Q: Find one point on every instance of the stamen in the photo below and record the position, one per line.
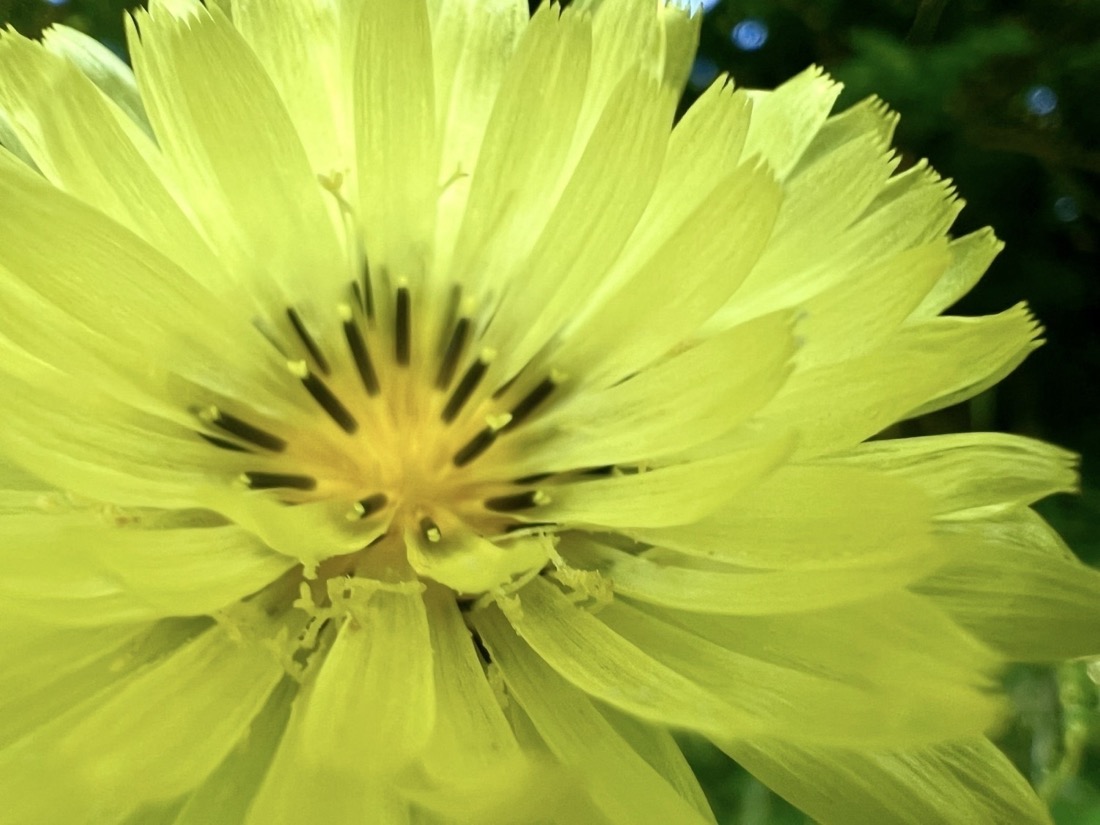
(467, 385)
(222, 443)
(430, 530)
(401, 327)
(359, 352)
(368, 292)
(324, 397)
(273, 481)
(243, 430)
(475, 447)
(453, 304)
(453, 352)
(534, 478)
(531, 401)
(308, 341)
(517, 501)
(367, 507)
(357, 293)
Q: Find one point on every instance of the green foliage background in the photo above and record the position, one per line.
(960, 73)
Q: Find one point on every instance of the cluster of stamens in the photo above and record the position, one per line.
(445, 380)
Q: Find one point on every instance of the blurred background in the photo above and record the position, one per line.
(1000, 95)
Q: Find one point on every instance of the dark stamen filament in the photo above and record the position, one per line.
(517, 501)
(401, 327)
(222, 443)
(324, 397)
(272, 481)
(307, 340)
(531, 401)
(475, 447)
(368, 293)
(452, 312)
(465, 388)
(360, 354)
(453, 352)
(245, 431)
(430, 530)
(367, 507)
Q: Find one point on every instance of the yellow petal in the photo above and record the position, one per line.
(120, 173)
(587, 653)
(787, 674)
(371, 708)
(48, 670)
(959, 471)
(666, 496)
(591, 221)
(225, 795)
(234, 150)
(785, 121)
(811, 518)
(78, 570)
(622, 784)
(120, 750)
(971, 255)
(966, 781)
(522, 163)
(1010, 580)
(102, 66)
(393, 93)
(664, 302)
(299, 45)
(923, 367)
(654, 579)
(665, 408)
(472, 48)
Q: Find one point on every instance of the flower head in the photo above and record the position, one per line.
(415, 424)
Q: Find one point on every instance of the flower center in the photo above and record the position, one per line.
(399, 420)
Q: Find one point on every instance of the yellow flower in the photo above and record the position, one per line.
(405, 421)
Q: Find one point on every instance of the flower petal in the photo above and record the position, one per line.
(622, 784)
(652, 578)
(299, 44)
(112, 299)
(78, 570)
(365, 716)
(959, 471)
(119, 750)
(904, 673)
(102, 66)
(472, 48)
(47, 670)
(923, 367)
(226, 794)
(594, 216)
(971, 256)
(968, 781)
(1011, 581)
(591, 656)
(120, 173)
(806, 517)
(474, 767)
(666, 496)
(662, 303)
(522, 162)
(234, 150)
(785, 121)
(371, 708)
(666, 408)
(393, 88)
